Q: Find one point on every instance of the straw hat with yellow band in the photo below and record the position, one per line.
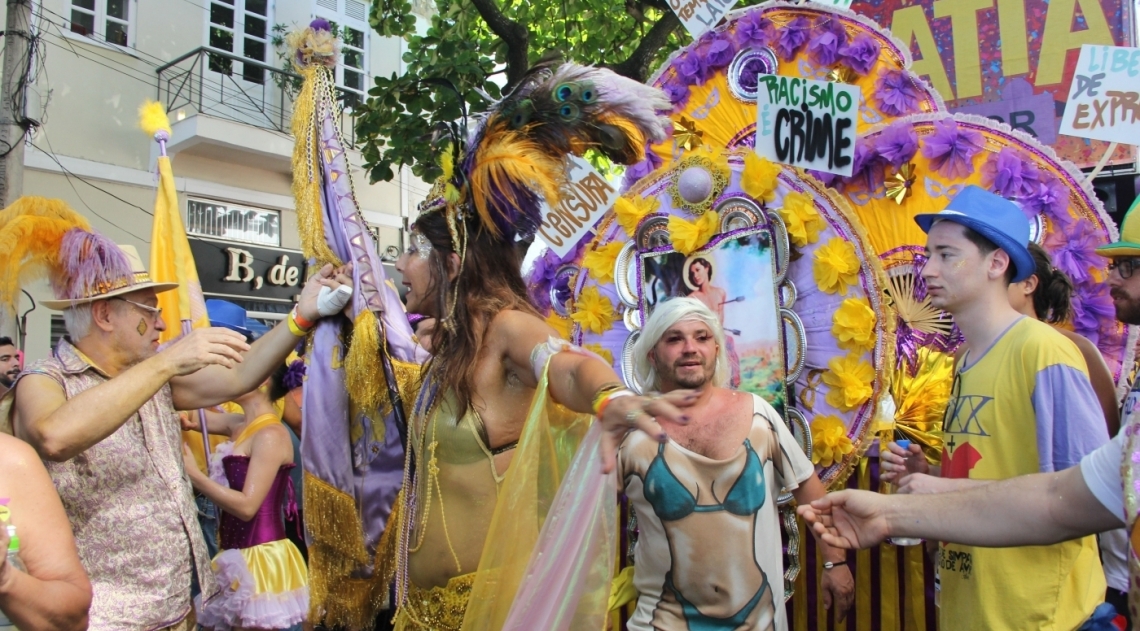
(121, 283)
(1129, 243)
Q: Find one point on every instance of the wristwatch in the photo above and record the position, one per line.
(827, 565)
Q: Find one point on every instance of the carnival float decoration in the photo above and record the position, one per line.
(864, 354)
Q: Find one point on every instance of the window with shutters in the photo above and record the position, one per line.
(241, 28)
(351, 19)
(110, 21)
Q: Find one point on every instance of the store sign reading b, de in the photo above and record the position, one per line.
(806, 123)
(240, 270)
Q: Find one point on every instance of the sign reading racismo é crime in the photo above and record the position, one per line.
(1010, 60)
(806, 123)
(1104, 100)
(585, 198)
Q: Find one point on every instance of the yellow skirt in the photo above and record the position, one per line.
(438, 608)
(265, 586)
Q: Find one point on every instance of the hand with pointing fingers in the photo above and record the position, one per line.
(641, 413)
(204, 347)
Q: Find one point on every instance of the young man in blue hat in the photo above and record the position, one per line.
(1102, 494)
(1021, 402)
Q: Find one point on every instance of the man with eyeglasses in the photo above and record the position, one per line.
(1020, 402)
(101, 413)
(1102, 494)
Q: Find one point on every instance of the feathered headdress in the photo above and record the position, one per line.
(42, 237)
(514, 161)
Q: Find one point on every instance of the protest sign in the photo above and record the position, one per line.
(1104, 100)
(1023, 81)
(585, 198)
(699, 16)
(806, 123)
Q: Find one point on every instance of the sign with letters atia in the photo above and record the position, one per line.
(699, 16)
(585, 198)
(1104, 99)
(240, 270)
(806, 123)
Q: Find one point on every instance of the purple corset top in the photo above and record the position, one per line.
(267, 525)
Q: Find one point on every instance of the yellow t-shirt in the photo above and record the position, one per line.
(1024, 406)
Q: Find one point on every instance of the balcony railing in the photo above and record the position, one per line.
(220, 84)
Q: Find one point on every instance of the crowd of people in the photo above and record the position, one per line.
(154, 486)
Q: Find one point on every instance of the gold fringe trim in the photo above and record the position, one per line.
(307, 170)
(363, 372)
(388, 547)
(336, 551)
(408, 383)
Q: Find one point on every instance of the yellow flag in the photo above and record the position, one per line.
(172, 262)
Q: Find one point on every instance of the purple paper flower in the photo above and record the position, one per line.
(896, 93)
(637, 171)
(1002, 173)
(897, 144)
(827, 38)
(951, 149)
(1091, 307)
(868, 170)
(1045, 193)
(692, 68)
(676, 90)
(717, 49)
(294, 375)
(792, 38)
(861, 54)
(1074, 250)
(319, 24)
(753, 31)
(541, 278)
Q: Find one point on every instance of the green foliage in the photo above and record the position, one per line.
(395, 125)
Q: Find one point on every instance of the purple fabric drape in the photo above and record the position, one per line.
(369, 469)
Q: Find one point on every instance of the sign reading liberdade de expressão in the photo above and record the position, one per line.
(1104, 99)
(806, 123)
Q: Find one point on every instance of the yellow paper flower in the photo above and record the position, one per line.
(759, 177)
(593, 311)
(803, 221)
(601, 352)
(690, 236)
(850, 381)
(630, 212)
(829, 441)
(836, 266)
(559, 324)
(600, 261)
(853, 325)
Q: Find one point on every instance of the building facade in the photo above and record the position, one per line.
(220, 68)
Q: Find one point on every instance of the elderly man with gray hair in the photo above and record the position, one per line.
(708, 554)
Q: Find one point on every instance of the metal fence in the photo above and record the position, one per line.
(218, 83)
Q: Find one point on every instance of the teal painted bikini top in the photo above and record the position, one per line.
(671, 500)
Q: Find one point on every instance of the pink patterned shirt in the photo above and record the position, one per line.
(131, 508)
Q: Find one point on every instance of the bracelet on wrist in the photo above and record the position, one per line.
(827, 565)
(295, 327)
(600, 408)
(603, 391)
(305, 325)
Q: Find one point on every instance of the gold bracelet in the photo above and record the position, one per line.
(603, 391)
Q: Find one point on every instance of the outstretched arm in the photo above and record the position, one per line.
(576, 377)
(1031, 510)
(216, 384)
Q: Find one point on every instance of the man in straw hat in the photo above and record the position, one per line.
(101, 413)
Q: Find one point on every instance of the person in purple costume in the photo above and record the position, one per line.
(265, 584)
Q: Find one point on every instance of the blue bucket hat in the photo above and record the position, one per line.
(228, 315)
(993, 217)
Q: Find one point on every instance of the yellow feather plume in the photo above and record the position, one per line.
(31, 230)
(153, 119)
(511, 163)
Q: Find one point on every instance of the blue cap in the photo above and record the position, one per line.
(228, 315)
(993, 217)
